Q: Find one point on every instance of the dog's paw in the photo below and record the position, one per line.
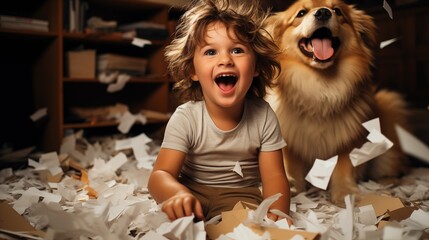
(338, 195)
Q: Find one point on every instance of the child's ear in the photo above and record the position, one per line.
(256, 73)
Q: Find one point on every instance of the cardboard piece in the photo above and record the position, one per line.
(11, 221)
(81, 64)
(401, 213)
(239, 214)
(381, 204)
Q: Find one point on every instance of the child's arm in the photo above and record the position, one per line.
(274, 181)
(177, 200)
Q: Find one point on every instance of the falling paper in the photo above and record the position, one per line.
(140, 42)
(120, 83)
(378, 144)
(367, 152)
(39, 114)
(237, 169)
(387, 42)
(387, 7)
(126, 122)
(320, 174)
(411, 145)
(372, 124)
(107, 77)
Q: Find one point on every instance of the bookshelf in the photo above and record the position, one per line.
(35, 72)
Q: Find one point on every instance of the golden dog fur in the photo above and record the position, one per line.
(322, 100)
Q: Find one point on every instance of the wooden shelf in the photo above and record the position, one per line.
(113, 38)
(34, 65)
(8, 32)
(143, 79)
(99, 124)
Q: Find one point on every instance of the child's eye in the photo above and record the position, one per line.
(237, 50)
(210, 52)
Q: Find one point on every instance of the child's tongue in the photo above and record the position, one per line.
(322, 48)
(225, 86)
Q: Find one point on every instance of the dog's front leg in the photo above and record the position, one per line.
(343, 180)
(295, 171)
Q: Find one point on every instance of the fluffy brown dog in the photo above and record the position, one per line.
(325, 93)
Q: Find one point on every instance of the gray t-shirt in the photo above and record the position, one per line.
(212, 154)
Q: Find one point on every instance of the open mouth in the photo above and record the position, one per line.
(321, 46)
(226, 81)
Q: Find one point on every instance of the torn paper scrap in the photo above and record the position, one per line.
(346, 218)
(140, 42)
(121, 80)
(418, 220)
(367, 215)
(243, 232)
(106, 171)
(107, 77)
(31, 196)
(258, 216)
(380, 203)
(377, 145)
(237, 169)
(376, 136)
(388, 9)
(39, 114)
(412, 145)
(372, 124)
(126, 122)
(48, 167)
(367, 152)
(386, 43)
(183, 229)
(303, 202)
(320, 174)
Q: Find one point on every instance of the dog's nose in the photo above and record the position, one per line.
(323, 14)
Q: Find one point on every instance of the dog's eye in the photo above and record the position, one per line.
(338, 11)
(301, 13)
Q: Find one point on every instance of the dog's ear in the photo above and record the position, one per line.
(365, 26)
(273, 25)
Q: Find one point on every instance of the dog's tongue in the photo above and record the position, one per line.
(322, 48)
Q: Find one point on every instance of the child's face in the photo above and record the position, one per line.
(224, 66)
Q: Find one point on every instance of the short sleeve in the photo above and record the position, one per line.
(177, 131)
(272, 138)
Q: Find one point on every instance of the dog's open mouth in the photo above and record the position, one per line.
(226, 81)
(321, 46)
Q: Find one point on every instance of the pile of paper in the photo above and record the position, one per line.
(97, 189)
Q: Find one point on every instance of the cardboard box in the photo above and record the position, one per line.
(231, 219)
(81, 64)
(14, 224)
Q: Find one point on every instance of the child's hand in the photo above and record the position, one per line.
(181, 205)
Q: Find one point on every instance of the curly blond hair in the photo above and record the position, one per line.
(246, 18)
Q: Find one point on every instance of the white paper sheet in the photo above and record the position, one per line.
(126, 122)
(321, 171)
(388, 9)
(367, 215)
(237, 169)
(39, 114)
(386, 43)
(121, 80)
(140, 42)
(412, 145)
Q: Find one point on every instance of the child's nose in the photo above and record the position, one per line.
(225, 59)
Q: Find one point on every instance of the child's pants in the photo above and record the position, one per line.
(216, 200)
